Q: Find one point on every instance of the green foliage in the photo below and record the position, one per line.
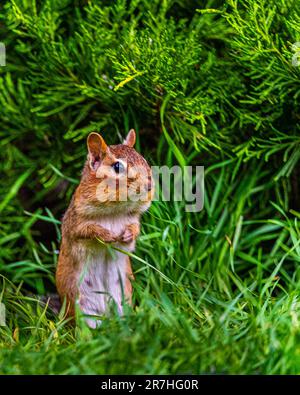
(206, 83)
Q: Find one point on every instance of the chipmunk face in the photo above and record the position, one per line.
(118, 177)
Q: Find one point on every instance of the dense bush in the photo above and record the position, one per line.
(203, 82)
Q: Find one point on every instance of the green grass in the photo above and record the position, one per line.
(209, 298)
(204, 83)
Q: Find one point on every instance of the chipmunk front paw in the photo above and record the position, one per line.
(130, 233)
(127, 236)
(106, 236)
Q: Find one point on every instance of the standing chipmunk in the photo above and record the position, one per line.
(115, 188)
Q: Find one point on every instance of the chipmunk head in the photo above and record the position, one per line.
(116, 178)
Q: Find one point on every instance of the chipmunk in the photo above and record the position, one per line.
(116, 187)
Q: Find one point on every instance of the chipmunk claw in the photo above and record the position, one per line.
(127, 236)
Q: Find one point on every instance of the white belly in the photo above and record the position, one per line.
(101, 284)
(102, 280)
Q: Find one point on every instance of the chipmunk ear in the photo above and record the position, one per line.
(130, 139)
(97, 149)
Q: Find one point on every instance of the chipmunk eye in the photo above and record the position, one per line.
(118, 167)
